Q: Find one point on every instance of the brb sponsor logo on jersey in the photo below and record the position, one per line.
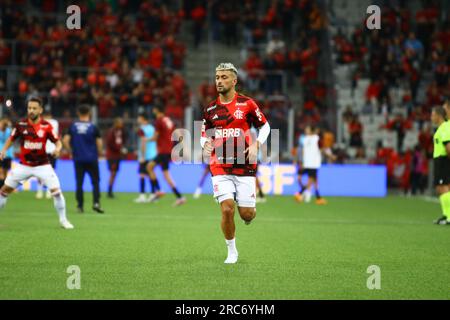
(228, 133)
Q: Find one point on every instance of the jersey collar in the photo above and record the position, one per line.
(227, 103)
(34, 124)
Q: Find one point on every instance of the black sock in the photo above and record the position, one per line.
(110, 187)
(261, 194)
(152, 185)
(317, 194)
(174, 189)
(142, 185)
(302, 188)
(155, 185)
(2, 182)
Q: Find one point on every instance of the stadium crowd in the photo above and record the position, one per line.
(411, 51)
(119, 59)
(280, 48)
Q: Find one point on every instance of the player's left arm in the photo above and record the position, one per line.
(99, 143)
(66, 142)
(259, 121)
(446, 139)
(53, 137)
(447, 147)
(58, 148)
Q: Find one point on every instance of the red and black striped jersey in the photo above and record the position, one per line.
(33, 138)
(229, 124)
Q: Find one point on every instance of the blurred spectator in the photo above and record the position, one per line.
(355, 128)
(419, 171)
(275, 44)
(254, 68)
(400, 125)
(198, 15)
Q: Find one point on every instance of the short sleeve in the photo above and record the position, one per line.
(446, 133)
(51, 134)
(256, 116)
(15, 132)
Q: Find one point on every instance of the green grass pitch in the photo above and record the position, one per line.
(291, 251)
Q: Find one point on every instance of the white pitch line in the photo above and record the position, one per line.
(430, 199)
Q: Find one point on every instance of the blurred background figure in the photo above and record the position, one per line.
(5, 164)
(146, 146)
(116, 138)
(84, 142)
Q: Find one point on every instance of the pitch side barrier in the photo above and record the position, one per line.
(349, 180)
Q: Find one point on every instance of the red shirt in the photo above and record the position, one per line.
(231, 121)
(33, 138)
(164, 126)
(115, 140)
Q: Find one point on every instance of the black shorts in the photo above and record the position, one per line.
(52, 160)
(6, 164)
(113, 164)
(311, 173)
(163, 160)
(143, 167)
(441, 171)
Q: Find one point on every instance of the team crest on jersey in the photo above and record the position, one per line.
(238, 114)
(40, 133)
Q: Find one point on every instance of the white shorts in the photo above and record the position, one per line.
(242, 189)
(21, 173)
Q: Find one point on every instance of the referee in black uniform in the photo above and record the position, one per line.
(84, 141)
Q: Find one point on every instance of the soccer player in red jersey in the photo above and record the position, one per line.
(164, 128)
(226, 120)
(33, 134)
(115, 150)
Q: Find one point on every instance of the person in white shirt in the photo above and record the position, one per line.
(49, 148)
(311, 162)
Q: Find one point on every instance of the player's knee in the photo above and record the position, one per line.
(6, 190)
(247, 214)
(227, 209)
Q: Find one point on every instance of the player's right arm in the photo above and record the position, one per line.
(205, 141)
